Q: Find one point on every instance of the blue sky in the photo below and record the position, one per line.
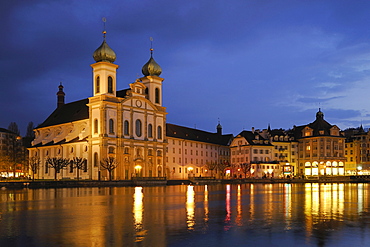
(245, 63)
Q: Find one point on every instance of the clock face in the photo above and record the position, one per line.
(138, 103)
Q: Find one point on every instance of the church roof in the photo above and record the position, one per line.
(67, 113)
(186, 133)
(71, 112)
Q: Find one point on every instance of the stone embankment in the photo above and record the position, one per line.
(162, 181)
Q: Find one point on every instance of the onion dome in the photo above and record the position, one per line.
(151, 67)
(319, 114)
(104, 53)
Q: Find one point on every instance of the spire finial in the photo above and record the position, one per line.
(104, 30)
(151, 46)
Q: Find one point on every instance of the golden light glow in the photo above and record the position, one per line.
(138, 207)
(288, 204)
(138, 211)
(190, 207)
(228, 209)
(239, 217)
(206, 210)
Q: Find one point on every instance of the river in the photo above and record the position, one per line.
(311, 214)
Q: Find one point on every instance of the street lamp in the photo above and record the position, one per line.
(14, 153)
(359, 169)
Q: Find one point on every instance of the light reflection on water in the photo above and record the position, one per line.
(309, 214)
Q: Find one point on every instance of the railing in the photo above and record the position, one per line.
(202, 178)
(149, 178)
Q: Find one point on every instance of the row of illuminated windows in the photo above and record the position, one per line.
(191, 152)
(197, 161)
(126, 128)
(361, 145)
(59, 151)
(327, 164)
(246, 151)
(191, 144)
(188, 170)
(110, 88)
(255, 159)
(71, 167)
(138, 153)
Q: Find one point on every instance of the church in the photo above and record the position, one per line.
(127, 125)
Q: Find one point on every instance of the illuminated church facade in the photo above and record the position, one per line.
(128, 125)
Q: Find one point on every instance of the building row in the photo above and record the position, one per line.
(129, 127)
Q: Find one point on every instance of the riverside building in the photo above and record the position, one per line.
(321, 148)
(128, 125)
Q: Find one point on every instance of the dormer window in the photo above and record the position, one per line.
(321, 132)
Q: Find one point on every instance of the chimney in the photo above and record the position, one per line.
(60, 96)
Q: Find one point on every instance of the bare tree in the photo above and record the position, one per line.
(13, 127)
(79, 164)
(34, 164)
(58, 164)
(109, 164)
(222, 166)
(246, 168)
(30, 133)
(211, 166)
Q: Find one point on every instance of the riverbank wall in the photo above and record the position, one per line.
(162, 182)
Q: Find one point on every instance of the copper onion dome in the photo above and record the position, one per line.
(104, 53)
(151, 67)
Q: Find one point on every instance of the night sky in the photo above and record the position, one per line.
(245, 63)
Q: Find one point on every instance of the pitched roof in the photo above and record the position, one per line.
(186, 133)
(317, 126)
(66, 113)
(7, 131)
(74, 111)
(252, 139)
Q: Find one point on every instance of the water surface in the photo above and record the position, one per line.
(219, 215)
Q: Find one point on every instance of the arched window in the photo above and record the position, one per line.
(157, 97)
(110, 84)
(126, 129)
(150, 131)
(159, 132)
(96, 126)
(85, 165)
(71, 166)
(111, 150)
(111, 126)
(97, 85)
(138, 127)
(138, 152)
(96, 159)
